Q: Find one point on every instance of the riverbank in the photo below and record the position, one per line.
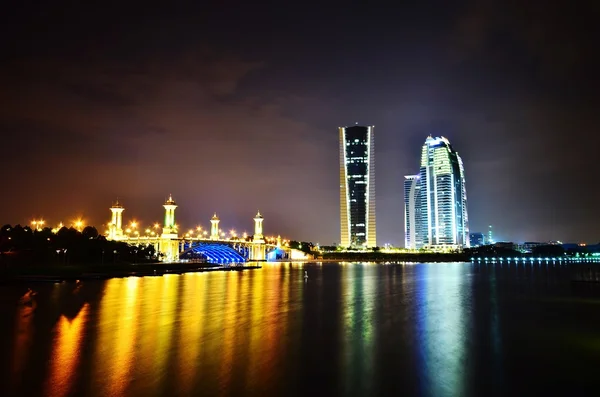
(53, 273)
(393, 257)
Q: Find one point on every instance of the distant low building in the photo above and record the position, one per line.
(528, 246)
(476, 239)
(505, 245)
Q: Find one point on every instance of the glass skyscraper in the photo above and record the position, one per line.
(357, 187)
(439, 197)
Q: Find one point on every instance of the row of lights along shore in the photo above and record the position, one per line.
(134, 230)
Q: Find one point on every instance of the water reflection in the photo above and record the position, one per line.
(66, 352)
(443, 294)
(191, 326)
(23, 336)
(495, 336)
(117, 333)
(358, 289)
(166, 316)
(349, 329)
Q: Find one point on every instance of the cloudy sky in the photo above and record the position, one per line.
(235, 107)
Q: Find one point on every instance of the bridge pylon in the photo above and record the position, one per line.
(259, 249)
(168, 244)
(214, 227)
(115, 231)
(169, 229)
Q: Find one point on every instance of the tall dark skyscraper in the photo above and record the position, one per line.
(357, 187)
(439, 197)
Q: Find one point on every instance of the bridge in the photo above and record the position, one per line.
(200, 246)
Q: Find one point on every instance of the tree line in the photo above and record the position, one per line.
(68, 246)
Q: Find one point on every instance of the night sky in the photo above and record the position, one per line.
(235, 107)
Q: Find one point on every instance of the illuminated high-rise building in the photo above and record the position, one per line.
(357, 187)
(440, 198)
(411, 186)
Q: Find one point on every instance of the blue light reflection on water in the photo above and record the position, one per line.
(350, 329)
(443, 295)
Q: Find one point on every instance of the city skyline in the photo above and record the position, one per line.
(212, 106)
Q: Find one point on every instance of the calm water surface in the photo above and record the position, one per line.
(350, 330)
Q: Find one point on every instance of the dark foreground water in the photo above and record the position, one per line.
(350, 329)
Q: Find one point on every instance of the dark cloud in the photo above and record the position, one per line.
(234, 110)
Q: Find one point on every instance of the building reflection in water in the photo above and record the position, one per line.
(443, 291)
(23, 338)
(163, 330)
(66, 352)
(229, 317)
(495, 337)
(114, 355)
(230, 328)
(192, 320)
(358, 292)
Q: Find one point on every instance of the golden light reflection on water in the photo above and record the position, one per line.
(257, 328)
(119, 311)
(192, 319)
(167, 302)
(229, 330)
(65, 353)
(23, 339)
(221, 332)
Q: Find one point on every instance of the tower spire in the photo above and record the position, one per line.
(214, 227)
(115, 231)
(169, 227)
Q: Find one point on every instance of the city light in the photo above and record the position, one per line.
(37, 224)
(78, 224)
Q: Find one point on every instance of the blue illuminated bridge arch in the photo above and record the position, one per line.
(214, 253)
